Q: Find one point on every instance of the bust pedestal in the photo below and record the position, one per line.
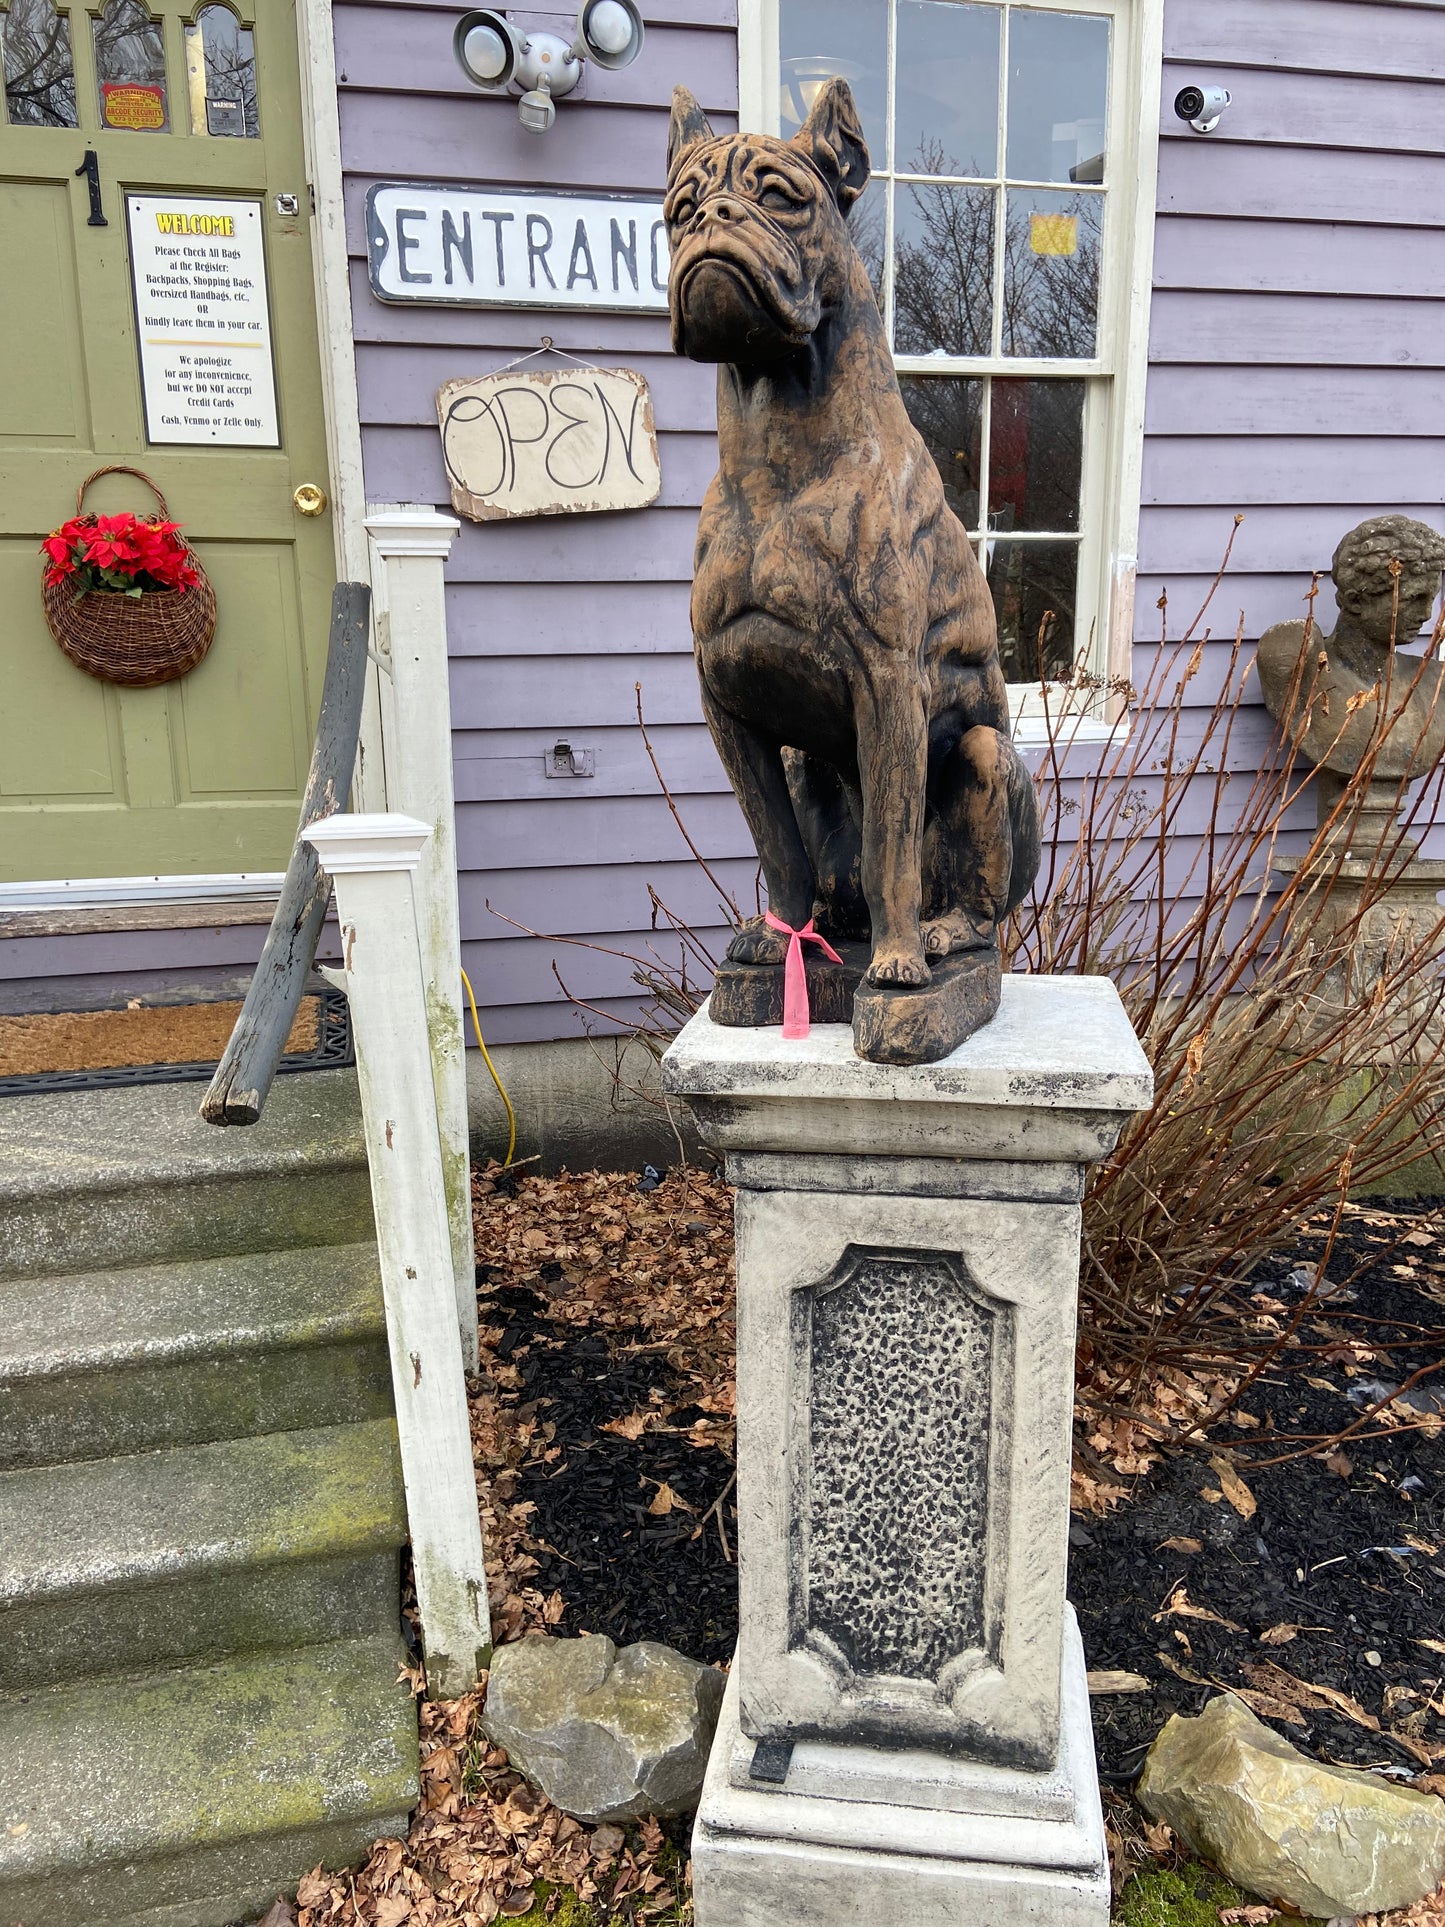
(906, 1731)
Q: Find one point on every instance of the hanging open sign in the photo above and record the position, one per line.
(565, 441)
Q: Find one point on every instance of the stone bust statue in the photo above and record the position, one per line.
(1310, 682)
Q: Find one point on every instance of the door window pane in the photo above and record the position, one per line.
(948, 414)
(39, 70)
(946, 106)
(1035, 454)
(130, 68)
(943, 269)
(221, 75)
(1058, 95)
(1051, 274)
(820, 38)
(1035, 587)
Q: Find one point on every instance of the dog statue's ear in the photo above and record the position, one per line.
(687, 128)
(832, 138)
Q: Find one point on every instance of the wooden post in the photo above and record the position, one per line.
(244, 1075)
(371, 860)
(410, 546)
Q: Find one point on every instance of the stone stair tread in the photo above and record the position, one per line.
(152, 1517)
(125, 1770)
(60, 1143)
(65, 1326)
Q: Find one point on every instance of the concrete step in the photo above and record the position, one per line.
(191, 1797)
(91, 1179)
(122, 1564)
(125, 1360)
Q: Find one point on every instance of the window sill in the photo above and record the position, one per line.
(1067, 731)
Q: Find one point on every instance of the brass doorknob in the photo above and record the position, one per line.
(309, 499)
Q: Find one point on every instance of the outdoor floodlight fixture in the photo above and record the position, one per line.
(1201, 106)
(498, 57)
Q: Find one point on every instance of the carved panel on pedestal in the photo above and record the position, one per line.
(897, 1352)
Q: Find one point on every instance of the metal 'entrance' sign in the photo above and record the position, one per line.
(514, 248)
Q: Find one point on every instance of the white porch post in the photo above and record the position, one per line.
(372, 860)
(410, 546)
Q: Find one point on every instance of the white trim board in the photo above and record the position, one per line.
(321, 134)
(103, 893)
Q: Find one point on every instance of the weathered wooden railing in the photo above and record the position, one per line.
(237, 1093)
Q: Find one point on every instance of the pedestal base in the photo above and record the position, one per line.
(857, 1836)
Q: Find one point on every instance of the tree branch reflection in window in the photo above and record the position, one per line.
(221, 75)
(39, 69)
(130, 68)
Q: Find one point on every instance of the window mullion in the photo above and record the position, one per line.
(1000, 194)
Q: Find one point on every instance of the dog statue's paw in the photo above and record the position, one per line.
(755, 943)
(942, 936)
(898, 966)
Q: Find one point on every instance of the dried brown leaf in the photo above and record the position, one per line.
(1234, 1488)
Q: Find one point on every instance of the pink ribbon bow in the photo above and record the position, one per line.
(795, 977)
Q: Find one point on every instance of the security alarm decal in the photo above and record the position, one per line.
(516, 249)
(556, 442)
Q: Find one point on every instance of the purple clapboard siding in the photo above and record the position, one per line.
(1296, 349)
(1300, 270)
(1364, 37)
(540, 619)
(551, 622)
(579, 903)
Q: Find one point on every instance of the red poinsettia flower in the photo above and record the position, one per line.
(119, 553)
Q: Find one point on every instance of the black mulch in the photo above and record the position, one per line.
(1351, 1552)
(620, 1569)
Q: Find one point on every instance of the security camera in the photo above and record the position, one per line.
(1201, 106)
(498, 57)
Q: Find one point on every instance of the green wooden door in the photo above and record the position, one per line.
(203, 774)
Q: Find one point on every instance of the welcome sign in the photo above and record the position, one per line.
(516, 248)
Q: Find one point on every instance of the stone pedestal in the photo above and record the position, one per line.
(906, 1735)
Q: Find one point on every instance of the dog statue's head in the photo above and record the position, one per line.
(756, 228)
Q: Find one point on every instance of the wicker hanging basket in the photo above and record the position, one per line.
(137, 641)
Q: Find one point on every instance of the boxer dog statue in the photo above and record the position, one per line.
(844, 633)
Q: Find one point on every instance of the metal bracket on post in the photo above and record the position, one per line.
(371, 860)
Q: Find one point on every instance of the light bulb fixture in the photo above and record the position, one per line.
(543, 68)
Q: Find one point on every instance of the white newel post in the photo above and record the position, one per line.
(410, 546)
(372, 860)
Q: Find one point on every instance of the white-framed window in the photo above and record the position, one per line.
(1008, 230)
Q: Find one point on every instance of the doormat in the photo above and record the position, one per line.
(81, 1050)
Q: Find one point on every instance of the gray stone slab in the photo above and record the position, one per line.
(1049, 1080)
(116, 1524)
(124, 1361)
(814, 1854)
(104, 1140)
(117, 1795)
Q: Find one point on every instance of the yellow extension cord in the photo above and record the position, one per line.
(486, 1059)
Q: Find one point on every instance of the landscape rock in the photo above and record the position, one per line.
(606, 1735)
(1329, 1840)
